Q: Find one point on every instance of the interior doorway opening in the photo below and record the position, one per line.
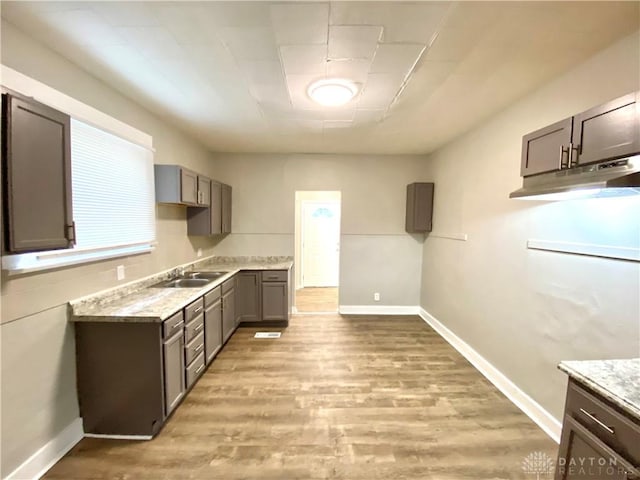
(317, 251)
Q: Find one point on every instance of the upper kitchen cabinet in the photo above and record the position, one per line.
(605, 132)
(226, 208)
(178, 185)
(608, 131)
(419, 208)
(36, 168)
(546, 149)
(210, 221)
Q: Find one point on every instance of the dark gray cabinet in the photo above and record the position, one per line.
(226, 192)
(608, 131)
(212, 324)
(275, 298)
(248, 297)
(194, 341)
(546, 149)
(178, 185)
(419, 213)
(605, 132)
(174, 386)
(596, 432)
(228, 309)
(204, 191)
(130, 376)
(36, 170)
(207, 221)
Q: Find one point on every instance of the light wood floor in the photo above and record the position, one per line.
(312, 299)
(344, 398)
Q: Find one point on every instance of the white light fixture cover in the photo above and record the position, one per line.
(332, 92)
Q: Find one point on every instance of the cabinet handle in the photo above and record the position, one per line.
(199, 327)
(179, 324)
(198, 348)
(197, 310)
(573, 148)
(594, 419)
(561, 164)
(199, 369)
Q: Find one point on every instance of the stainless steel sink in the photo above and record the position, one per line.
(207, 275)
(184, 283)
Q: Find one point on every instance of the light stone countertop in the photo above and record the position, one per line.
(140, 301)
(616, 380)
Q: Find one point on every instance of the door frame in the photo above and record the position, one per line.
(309, 195)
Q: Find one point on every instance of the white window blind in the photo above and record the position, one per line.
(113, 189)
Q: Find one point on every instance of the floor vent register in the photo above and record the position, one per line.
(267, 335)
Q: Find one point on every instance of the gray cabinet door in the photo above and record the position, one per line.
(228, 314)
(611, 130)
(226, 208)
(204, 191)
(37, 165)
(212, 330)
(174, 386)
(275, 301)
(419, 208)
(546, 149)
(188, 187)
(248, 293)
(216, 208)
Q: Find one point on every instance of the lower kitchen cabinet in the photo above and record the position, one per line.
(212, 324)
(275, 298)
(598, 441)
(130, 376)
(228, 309)
(174, 386)
(248, 297)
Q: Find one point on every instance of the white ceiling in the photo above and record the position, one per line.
(235, 74)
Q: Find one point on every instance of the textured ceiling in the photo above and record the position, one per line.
(235, 74)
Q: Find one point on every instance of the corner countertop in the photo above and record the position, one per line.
(616, 380)
(141, 302)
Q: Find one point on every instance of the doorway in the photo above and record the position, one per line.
(317, 252)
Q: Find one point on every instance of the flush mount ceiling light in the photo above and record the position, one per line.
(332, 92)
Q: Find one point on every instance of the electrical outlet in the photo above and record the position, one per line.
(120, 272)
(199, 252)
(376, 297)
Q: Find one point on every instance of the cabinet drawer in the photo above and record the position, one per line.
(195, 369)
(611, 427)
(211, 297)
(172, 325)
(275, 276)
(229, 284)
(193, 309)
(193, 328)
(193, 348)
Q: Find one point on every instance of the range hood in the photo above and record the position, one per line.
(605, 179)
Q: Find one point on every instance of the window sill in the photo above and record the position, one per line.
(37, 261)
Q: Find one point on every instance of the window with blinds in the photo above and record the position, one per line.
(113, 196)
(113, 189)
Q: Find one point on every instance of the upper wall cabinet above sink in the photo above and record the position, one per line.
(178, 185)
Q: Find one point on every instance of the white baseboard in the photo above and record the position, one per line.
(378, 310)
(41, 461)
(547, 422)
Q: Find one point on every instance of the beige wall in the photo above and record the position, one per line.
(526, 310)
(38, 365)
(373, 241)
